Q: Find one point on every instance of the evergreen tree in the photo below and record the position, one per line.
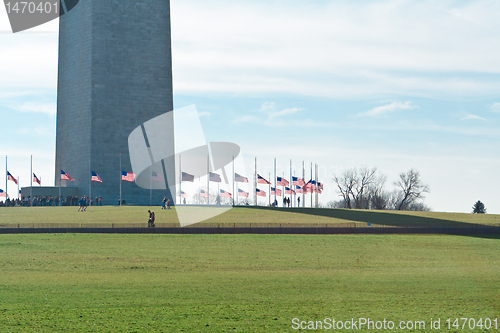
(479, 208)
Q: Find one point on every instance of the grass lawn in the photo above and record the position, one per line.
(137, 216)
(241, 283)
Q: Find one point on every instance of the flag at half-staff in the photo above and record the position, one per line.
(96, 178)
(242, 193)
(204, 194)
(156, 177)
(289, 191)
(296, 181)
(240, 179)
(36, 180)
(3, 194)
(262, 180)
(299, 189)
(225, 194)
(186, 177)
(128, 176)
(11, 178)
(215, 177)
(261, 193)
(282, 181)
(275, 191)
(183, 194)
(65, 176)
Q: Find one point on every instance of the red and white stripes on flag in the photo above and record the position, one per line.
(186, 177)
(11, 178)
(242, 193)
(240, 179)
(183, 194)
(299, 189)
(128, 176)
(282, 181)
(3, 194)
(275, 191)
(36, 180)
(157, 178)
(204, 194)
(224, 194)
(96, 178)
(215, 177)
(262, 180)
(296, 181)
(289, 191)
(65, 176)
(261, 193)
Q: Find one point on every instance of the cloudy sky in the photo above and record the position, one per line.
(388, 84)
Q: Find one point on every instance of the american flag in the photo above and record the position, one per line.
(242, 193)
(96, 178)
(240, 179)
(156, 178)
(320, 186)
(261, 193)
(310, 186)
(282, 182)
(183, 194)
(275, 191)
(65, 176)
(224, 194)
(186, 177)
(262, 180)
(10, 177)
(215, 177)
(128, 176)
(289, 191)
(299, 189)
(36, 180)
(19, 194)
(204, 194)
(3, 194)
(298, 181)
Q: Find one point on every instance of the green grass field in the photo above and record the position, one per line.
(241, 283)
(109, 216)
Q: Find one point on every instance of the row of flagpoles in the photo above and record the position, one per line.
(125, 176)
(297, 186)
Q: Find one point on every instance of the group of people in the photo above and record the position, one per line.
(286, 202)
(48, 201)
(165, 204)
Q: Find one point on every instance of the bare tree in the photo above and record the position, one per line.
(345, 184)
(411, 188)
(362, 187)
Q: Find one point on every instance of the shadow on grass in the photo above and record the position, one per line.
(377, 217)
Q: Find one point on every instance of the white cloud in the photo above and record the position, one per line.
(347, 49)
(47, 108)
(392, 107)
(495, 107)
(472, 117)
(267, 106)
(282, 113)
(204, 114)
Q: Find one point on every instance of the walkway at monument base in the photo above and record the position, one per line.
(325, 230)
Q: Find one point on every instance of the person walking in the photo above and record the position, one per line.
(168, 203)
(150, 220)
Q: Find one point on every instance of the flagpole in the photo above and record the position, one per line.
(291, 182)
(304, 179)
(311, 186)
(180, 179)
(275, 180)
(150, 187)
(90, 181)
(18, 180)
(269, 189)
(31, 179)
(6, 191)
(120, 203)
(255, 183)
(317, 186)
(59, 182)
(283, 188)
(234, 176)
(208, 179)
